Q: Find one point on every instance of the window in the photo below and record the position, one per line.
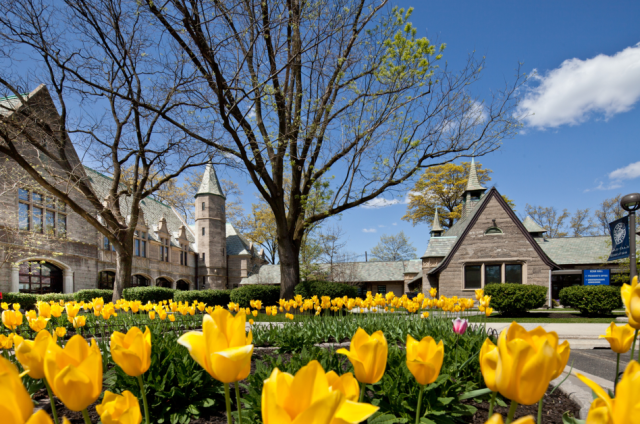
(382, 289)
(40, 278)
(106, 280)
(139, 281)
(41, 214)
(203, 256)
(493, 230)
(164, 250)
(473, 277)
(202, 205)
(24, 217)
(513, 273)
(492, 274)
(202, 230)
(184, 249)
(106, 245)
(140, 244)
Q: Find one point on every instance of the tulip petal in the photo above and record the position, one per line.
(321, 411)
(73, 388)
(195, 342)
(231, 365)
(353, 412)
(274, 392)
(40, 417)
(308, 386)
(597, 390)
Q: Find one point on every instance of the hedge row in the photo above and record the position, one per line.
(592, 300)
(210, 297)
(515, 299)
(325, 288)
(268, 295)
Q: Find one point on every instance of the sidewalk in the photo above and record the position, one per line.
(580, 336)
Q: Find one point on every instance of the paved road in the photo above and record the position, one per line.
(599, 362)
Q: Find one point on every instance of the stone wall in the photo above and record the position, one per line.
(477, 248)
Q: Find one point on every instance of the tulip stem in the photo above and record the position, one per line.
(144, 399)
(364, 386)
(615, 380)
(53, 401)
(227, 397)
(492, 402)
(237, 384)
(633, 347)
(419, 404)
(85, 414)
(540, 410)
(512, 411)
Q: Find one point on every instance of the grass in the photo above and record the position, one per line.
(545, 320)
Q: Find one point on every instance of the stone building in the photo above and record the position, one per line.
(489, 244)
(67, 254)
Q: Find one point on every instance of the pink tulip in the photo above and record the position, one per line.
(460, 326)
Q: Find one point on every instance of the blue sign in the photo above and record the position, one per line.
(596, 277)
(619, 230)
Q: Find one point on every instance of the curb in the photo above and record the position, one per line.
(579, 392)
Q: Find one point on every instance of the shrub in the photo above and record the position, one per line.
(325, 288)
(148, 294)
(592, 300)
(26, 300)
(514, 299)
(210, 297)
(268, 295)
(56, 297)
(89, 294)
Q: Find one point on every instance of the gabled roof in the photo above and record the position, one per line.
(461, 225)
(362, 272)
(439, 247)
(472, 218)
(210, 183)
(153, 210)
(578, 250)
(236, 244)
(532, 226)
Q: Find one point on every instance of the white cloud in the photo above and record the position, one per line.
(603, 186)
(379, 202)
(369, 230)
(628, 172)
(578, 89)
(394, 223)
(380, 226)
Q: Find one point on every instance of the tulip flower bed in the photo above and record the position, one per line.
(397, 368)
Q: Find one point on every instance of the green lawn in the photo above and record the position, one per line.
(529, 319)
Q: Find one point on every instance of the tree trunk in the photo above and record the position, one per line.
(289, 255)
(124, 262)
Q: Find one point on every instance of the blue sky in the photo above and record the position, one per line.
(582, 144)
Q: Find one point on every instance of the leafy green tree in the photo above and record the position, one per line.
(395, 247)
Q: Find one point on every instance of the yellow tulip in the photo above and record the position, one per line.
(75, 372)
(346, 383)
(38, 324)
(61, 332)
(44, 309)
(307, 398)
(162, 315)
(250, 322)
(368, 355)
(72, 310)
(527, 362)
(132, 351)
(497, 419)
(488, 364)
(6, 342)
(424, 359)
(56, 310)
(11, 319)
(223, 348)
(488, 311)
(631, 298)
(17, 340)
(254, 313)
(16, 306)
(172, 317)
(4, 305)
(119, 409)
(479, 294)
(16, 405)
(619, 337)
(152, 315)
(31, 354)
(78, 322)
(624, 408)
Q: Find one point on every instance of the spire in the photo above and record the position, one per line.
(472, 183)
(210, 183)
(436, 228)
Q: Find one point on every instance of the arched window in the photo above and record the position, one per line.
(163, 282)
(139, 281)
(40, 278)
(493, 230)
(106, 280)
(182, 285)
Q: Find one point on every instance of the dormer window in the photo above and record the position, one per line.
(493, 230)
(164, 250)
(184, 249)
(140, 244)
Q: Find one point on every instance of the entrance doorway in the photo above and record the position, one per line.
(40, 278)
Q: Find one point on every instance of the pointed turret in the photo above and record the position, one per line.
(474, 190)
(211, 240)
(436, 228)
(210, 183)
